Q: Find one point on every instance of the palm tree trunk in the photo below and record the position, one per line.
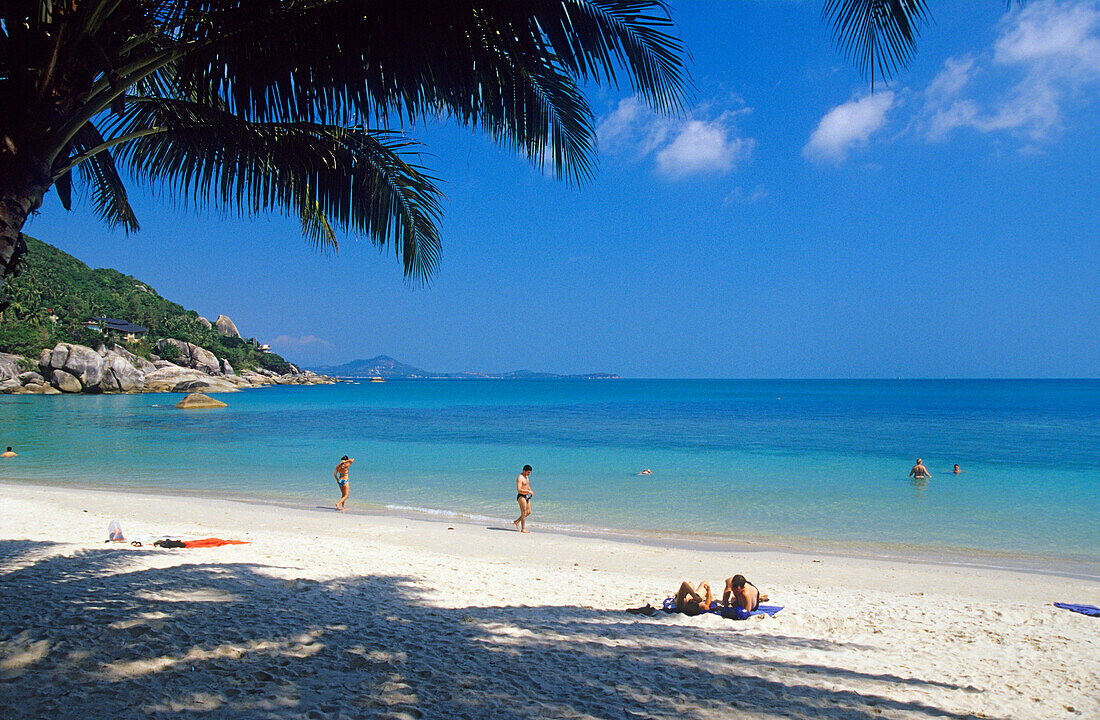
(21, 193)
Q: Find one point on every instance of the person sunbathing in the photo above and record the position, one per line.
(743, 593)
(689, 601)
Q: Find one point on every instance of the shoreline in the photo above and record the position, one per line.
(953, 557)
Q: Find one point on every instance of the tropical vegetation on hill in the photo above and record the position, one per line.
(54, 294)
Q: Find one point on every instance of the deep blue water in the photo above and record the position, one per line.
(772, 461)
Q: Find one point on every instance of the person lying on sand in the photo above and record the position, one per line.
(743, 594)
(692, 602)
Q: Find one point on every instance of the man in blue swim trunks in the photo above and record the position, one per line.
(523, 496)
(341, 475)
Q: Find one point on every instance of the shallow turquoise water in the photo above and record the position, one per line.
(763, 460)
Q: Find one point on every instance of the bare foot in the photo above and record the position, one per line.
(764, 598)
(526, 531)
(516, 523)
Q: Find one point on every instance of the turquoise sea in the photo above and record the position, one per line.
(814, 464)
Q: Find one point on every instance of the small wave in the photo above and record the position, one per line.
(443, 513)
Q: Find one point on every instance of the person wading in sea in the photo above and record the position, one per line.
(523, 496)
(919, 471)
(341, 475)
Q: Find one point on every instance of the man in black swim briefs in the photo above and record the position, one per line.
(523, 496)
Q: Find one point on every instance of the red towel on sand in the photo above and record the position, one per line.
(213, 542)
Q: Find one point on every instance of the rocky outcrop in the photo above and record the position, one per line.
(193, 356)
(198, 401)
(205, 323)
(226, 328)
(76, 368)
(73, 368)
(180, 379)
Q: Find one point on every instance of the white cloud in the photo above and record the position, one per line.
(848, 126)
(296, 342)
(741, 196)
(1052, 31)
(1047, 52)
(953, 78)
(702, 146)
(694, 145)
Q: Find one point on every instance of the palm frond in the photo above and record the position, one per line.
(357, 180)
(511, 68)
(100, 176)
(591, 37)
(878, 35)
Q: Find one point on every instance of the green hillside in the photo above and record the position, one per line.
(55, 293)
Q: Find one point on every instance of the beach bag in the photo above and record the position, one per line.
(114, 532)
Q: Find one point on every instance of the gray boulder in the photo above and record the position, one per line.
(226, 328)
(9, 366)
(123, 375)
(138, 362)
(11, 385)
(58, 356)
(107, 384)
(193, 356)
(203, 359)
(66, 382)
(30, 377)
(87, 365)
(226, 368)
(184, 349)
(205, 323)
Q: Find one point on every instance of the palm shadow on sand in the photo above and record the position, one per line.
(229, 640)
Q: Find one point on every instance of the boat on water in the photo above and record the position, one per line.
(377, 379)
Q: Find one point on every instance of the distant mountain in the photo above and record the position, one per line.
(386, 367)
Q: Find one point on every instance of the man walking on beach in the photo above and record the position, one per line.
(523, 496)
(341, 475)
(919, 471)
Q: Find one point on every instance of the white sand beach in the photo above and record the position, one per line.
(326, 615)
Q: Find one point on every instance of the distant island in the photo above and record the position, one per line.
(387, 368)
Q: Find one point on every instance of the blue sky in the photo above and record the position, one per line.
(790, 224)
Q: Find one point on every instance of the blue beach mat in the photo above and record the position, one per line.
(1090, 610)
(732, 613)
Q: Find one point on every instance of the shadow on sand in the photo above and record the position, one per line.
(118, 640)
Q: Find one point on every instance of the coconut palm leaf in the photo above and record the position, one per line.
(880, 36)
(511, 68)
(356, 180)
(100, 176)
(261, 105)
